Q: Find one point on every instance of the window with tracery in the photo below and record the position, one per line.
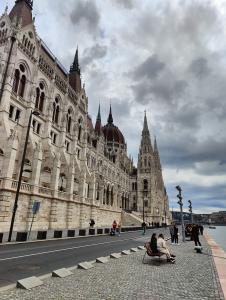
(19, 82)
(56, 110)
(69, 114)
(40, 97)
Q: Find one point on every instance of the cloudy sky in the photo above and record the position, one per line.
(168, 57)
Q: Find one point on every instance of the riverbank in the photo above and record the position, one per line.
(219, 257)
(193, 277)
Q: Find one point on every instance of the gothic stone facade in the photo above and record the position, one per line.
(76, 172)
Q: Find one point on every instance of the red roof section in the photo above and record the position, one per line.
(22, 10)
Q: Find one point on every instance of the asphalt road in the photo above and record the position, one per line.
(18, 261)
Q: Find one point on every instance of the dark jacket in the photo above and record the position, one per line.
(153, 245)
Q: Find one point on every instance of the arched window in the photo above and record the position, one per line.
(16, 80)
(145, 185)
(56, 110)
(112, 196)
(40, 97)
(22, 85)
(69, 120)
(108, 194)
(19, 81)
(79, 129)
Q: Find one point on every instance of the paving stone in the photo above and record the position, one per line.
(61, 273)
(115, 255)
(125, 252)
(102, 260)
(29, 283)
(141, 247)
(85, 265)
(133, 249)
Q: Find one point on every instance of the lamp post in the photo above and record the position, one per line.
(143, 224)
(190, 210)
(179, 196)
(20, 175)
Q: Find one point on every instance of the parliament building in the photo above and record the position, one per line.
(75, 170)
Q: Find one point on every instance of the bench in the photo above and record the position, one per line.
(149, 252)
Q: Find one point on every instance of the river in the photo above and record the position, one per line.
(218, 234)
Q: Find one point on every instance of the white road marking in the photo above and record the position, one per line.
(64, 249)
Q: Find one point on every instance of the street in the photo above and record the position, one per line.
(19, 261)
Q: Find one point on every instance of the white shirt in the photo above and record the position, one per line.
(161, 243)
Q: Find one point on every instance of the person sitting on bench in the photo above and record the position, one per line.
(153, 243)
(161, 246)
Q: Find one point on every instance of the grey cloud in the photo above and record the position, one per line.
(199, 67)
(86, 11)
(93, 53)
(128, 4)
(150, 68)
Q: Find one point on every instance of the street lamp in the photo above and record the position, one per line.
(36, 113)
(190, 210)
(179, 196)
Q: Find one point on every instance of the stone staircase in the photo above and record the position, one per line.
(130, 219)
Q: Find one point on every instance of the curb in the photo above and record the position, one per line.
(62, 239)
(70, 270)
(218, 254)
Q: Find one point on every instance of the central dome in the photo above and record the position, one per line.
(112, 132)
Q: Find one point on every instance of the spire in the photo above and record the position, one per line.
(110, 118)
(156, 146)
(98, 115)
(145, 126)
(22, 10)
(98, 126)
(74, 75)
(75, 66)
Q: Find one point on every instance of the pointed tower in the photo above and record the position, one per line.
(152, 201)
(22, 11)
(98, 126)
(157, 162)
(75, 74)
(146, 151)
(110, 118)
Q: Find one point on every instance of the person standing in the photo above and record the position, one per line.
(144, 227)
(114, 226)
(92, 223)
(171, 229)
(175, 234)
(119, 228)
(195, 235)
(201, 228)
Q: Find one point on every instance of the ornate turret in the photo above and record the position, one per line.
(22, 11)
(74, 75)
(98, 126)
(111, 132)
(110, 118)
(146, 140)
(156, 155)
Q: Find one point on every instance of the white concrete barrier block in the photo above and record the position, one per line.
(61, 273)
(29, 283)
(102, 260)
(141, 247)
(115, 255)
(125, 252)
(85, 265)
(133, 249)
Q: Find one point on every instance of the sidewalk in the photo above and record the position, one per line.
(193, 276)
